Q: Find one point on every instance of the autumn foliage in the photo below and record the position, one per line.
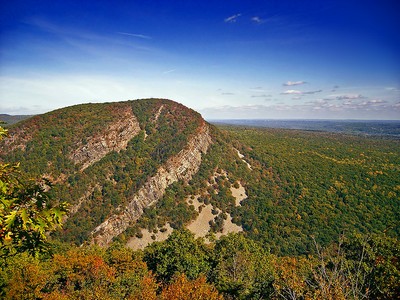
(182, 288)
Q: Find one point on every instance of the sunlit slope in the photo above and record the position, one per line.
(306, 184)
(139, 169)
(99, 155)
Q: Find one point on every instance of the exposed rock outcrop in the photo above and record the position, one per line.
(179, 167)
(157, 115)
(114, 137)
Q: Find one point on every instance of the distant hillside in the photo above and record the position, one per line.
(134, 171)
(383, 128)
(12, 119)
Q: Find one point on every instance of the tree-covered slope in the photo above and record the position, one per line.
(143, 164)
(306, 184)
(99, 155)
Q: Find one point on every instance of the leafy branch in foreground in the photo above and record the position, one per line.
(26, 213)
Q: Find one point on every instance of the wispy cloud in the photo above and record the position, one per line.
(84, 41)
(141, 36)
(393, 89)
(374, 103)
(169, 71)
(291, 83)
(227, 94)
(232, 19)
(351, 105)
(314, 109)
(296, 92)
(257, 20)
(257, 89)
(292, 92)
(334, 88)
(349, 97)
(311, 92)
(261, 96)
(67, 32)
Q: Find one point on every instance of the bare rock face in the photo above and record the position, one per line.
(114, 137)
(179, 167)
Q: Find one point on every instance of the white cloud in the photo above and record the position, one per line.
(257, 89)
(291, 83)
(232, 19)
(261, 96)
(257, 20)
(318, 109)
(377, 101)
(296, 92)
(349, 97)
(169, 71)
(142, 36)
(292, 92)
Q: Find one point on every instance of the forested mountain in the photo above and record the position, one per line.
(147, 163)
(101, 156)
(319, 212)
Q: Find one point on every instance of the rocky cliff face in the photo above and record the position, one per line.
(114, 137)
(179, 167)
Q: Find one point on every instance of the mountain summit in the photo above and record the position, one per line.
(112, 161)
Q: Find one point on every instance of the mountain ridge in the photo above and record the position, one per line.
(79, 148)
(118, 165)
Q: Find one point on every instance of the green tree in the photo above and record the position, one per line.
(26, 212)
(132, 278)
(181, 253)
(242, 268)
(375, 265)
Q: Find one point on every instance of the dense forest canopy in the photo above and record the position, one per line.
(315, 183)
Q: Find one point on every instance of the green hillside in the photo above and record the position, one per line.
(318, 184)
(49, 139)
(299, 184)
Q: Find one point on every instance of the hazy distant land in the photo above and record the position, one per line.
(389, 128)
(12, 119)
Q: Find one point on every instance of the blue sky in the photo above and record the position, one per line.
(223, 58)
